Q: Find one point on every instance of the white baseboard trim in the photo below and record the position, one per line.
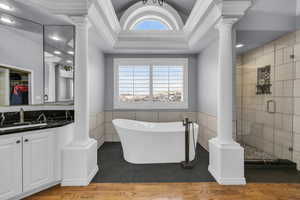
(81, 182)
(226, 181)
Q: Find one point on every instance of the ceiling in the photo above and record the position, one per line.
(265, 21)
(25, 10)
(183, 7)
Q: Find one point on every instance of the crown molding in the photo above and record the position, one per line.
(63, 7)
(107, 8)
(151, 40)
(234, 8)
(102, 25)
(206, 14)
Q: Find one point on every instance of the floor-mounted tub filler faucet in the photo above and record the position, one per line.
(68, 115)
(2, 119)
(187, 164)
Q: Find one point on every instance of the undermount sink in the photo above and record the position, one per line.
(22, 126)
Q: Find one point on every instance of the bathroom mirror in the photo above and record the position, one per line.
(21, 61)
(59, 51)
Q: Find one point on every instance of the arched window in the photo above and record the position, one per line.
(150, 24)
(150, 17)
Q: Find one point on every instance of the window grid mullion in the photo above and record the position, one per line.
(151, 81)
(133, 82)
(168, 84)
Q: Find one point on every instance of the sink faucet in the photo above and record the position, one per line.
(21, 115)
(68, 114)
(2, 119)
(42, 116)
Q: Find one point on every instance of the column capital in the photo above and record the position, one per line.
(80, 21)
(225, 22)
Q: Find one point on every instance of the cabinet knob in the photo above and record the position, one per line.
(18, 141)
(26, 140)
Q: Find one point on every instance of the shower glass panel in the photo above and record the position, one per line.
(264, 96)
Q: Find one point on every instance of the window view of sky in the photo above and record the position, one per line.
(150, 24)
(167, 83)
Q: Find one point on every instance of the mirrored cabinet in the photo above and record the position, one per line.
(37, 62)
(59, 64)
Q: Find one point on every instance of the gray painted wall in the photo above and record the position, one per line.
(109, 81)
(266, 21)
(96, 78)
(24, 49)
(207, 79)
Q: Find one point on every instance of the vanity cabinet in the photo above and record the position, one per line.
(38, 160)
(10, 167)
(26, 162)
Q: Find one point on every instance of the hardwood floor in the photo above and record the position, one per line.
(171, 191)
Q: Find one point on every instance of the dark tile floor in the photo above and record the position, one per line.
(113, 169)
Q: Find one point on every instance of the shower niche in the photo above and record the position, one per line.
(263, 85)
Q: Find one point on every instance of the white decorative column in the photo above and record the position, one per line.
(226, 157)
(80, 157)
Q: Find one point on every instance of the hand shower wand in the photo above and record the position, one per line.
(187, 164)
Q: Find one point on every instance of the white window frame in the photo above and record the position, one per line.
(150, 105)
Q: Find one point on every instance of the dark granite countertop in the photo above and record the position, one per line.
(50, 124)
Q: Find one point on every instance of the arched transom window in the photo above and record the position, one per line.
(151, 17)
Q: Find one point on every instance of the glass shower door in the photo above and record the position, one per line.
(265, 100)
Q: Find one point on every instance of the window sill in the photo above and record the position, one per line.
(151, 106)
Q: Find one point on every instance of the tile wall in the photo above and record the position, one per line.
(97, 127)
(112, 136)
(271, 133)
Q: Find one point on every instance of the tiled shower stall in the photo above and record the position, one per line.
(275, 132)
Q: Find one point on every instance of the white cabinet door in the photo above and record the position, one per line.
(38, 158)
(10, 167)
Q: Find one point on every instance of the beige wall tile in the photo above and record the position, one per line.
(284, 72)
(278, 88)
(297, 106)
(147, 116)
(297, 142)
(297, 51)
(108, 137)
(108, 116)
(297, 88)
(279, 57)
(100, 118)
(297, 70)
(298, 36)
(202, 118)
(169, 116)
(191, 115)
(287, 122)
(284, 105)
(296, 126)
(287, 52)
(288, 87)
(268, 48)
(124, 115)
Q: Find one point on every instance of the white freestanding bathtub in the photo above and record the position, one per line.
(145, 142)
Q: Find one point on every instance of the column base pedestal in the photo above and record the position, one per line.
(226, 162)
(79, 164)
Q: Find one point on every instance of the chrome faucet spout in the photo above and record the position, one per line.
(44, 120)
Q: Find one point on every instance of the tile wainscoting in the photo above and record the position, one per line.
(112, 136)
(97, 127)
(208, 128)
(207, 123)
